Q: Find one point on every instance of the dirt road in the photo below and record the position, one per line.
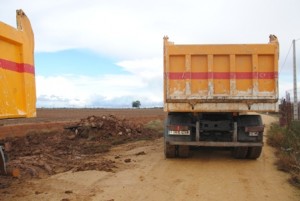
(142, 173)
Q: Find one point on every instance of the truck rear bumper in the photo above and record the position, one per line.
(217, 144)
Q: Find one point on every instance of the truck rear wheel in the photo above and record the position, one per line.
(240, 152)
(254, 152)
(170, 151)
(183, 151)
(3, 160)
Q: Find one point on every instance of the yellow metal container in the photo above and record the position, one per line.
(17, 73)
(221, 78)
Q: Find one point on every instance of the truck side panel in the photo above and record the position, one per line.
(17, 73)
(240, 77)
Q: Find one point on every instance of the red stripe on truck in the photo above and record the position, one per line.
(17, 67)
(221, 75)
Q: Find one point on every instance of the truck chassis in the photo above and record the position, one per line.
(243, 133)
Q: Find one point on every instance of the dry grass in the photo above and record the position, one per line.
(156, 125)
(287, 142)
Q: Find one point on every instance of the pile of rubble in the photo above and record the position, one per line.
(77, 148)
(105, 128)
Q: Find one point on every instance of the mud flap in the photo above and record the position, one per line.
(2, 162)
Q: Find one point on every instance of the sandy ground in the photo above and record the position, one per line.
(208, 174)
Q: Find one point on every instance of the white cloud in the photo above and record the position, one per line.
(144, 83)
(146, 69)
(134, 29)
(106, 91)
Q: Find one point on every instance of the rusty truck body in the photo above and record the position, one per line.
(209, 91)
(17, 73)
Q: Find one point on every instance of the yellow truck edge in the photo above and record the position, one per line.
(17, 71)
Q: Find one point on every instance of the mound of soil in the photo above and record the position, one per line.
(41, 154)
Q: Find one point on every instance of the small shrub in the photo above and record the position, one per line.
(156, 125)
(285, 162)
(275, 135)
(295, 180)
(287, 142)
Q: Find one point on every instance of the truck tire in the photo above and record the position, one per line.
(3, 160)
(170, 151)
(254, 152)
(248, 120)
(240, 152)
(183, 151)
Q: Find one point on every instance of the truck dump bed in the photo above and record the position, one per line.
(221, 78)
(17, 74)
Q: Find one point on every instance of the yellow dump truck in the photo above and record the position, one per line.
(17, 73)
(209, 91)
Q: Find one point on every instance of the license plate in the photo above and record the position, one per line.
(179, 132)
(253, 134)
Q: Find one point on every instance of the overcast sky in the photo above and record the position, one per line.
(98, 53)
